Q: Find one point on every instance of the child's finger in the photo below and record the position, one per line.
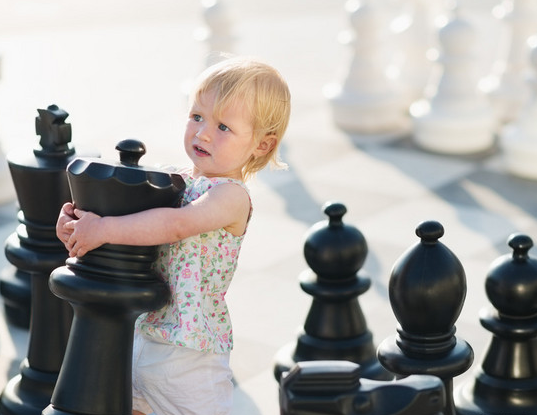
(68, 208)
(79, 212)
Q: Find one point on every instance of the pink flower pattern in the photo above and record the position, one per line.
(199, 271)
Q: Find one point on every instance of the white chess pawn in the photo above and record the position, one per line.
(518, 139)
(511, 92)
(368, 102)
(415, 34)
(458, 118)
(217, 32)
(7, 189)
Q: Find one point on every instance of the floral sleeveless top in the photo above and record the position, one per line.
(198, 270)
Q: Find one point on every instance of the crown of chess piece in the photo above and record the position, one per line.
(335, 327)
(427, 290)
(506, 381)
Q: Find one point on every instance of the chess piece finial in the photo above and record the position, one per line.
(55, 133)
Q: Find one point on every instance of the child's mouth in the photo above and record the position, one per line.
(201, 150)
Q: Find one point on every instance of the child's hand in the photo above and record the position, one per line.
(67, 214)
(84, 233)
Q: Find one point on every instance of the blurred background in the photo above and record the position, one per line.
(122, 68)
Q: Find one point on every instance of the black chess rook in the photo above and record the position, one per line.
(110, 286)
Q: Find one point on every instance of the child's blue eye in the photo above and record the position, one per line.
(197, 117)
(223, 127)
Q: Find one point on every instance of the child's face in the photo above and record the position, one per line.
(219, 146)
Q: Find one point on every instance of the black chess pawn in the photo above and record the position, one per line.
(336, 388)
(506, 382)
(335, 327)
(427, 290)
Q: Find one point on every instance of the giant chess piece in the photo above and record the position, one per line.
(41, 186)
(41, 183)
(506, 382)
(510, 94)
(216, 36)
(414, 33)
(368, 101)
(7, 191)
(335, 327)
(110, 286)
(427, 290)
(458, 118)
(336, 388)
(518, 139)
(217, 33)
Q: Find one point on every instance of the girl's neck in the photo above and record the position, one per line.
(197, 174)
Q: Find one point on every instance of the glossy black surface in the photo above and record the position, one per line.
(335, 327)
(335, 388)
(506, 381)
(427, 290)
(110, 286)
(34, 251)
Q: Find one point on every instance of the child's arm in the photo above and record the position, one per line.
(224, 206)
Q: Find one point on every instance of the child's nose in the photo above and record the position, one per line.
(203, 134)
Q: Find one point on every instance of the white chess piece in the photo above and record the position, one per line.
(217, 32)
(511, 93)
(7, 189)
(415, 34)
(458, 118)
(518, 139)
(368, 102)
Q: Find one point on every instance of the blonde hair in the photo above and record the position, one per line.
(264, 92)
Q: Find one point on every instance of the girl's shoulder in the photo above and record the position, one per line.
(196, 186)
(215, 181)
(204, 184)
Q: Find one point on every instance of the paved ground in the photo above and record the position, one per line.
(121, 71)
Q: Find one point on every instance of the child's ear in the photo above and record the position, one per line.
(266, 145)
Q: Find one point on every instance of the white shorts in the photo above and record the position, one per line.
(169, 380)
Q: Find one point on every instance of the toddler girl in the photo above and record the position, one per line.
(238, 114)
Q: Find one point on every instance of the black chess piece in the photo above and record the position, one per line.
(110, 286)
(506, 381)
(41, 185)
(34, 251)
(335, 327)
(427, 290)
(335, 388)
